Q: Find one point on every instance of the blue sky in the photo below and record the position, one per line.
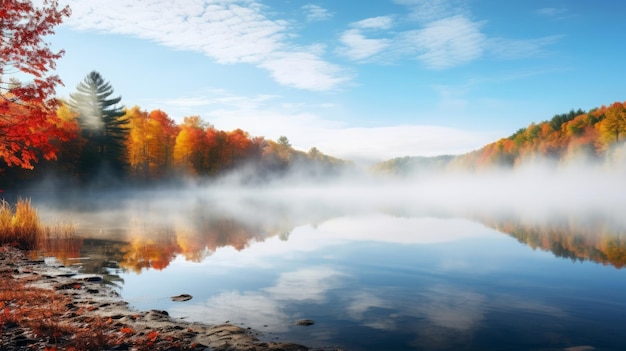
(365, 80)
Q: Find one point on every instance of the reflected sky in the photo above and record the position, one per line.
(372, 277)
(451, 284)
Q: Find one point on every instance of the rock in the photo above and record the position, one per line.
(93, 279)
(66, 275)
(159, 312)
(182, 297)
(305, 322)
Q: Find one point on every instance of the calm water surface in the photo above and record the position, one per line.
(379, 277)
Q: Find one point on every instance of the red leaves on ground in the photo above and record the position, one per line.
(127, 330)
(152, 335)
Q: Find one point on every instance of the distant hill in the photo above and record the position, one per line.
(575, 133)
(413, 165)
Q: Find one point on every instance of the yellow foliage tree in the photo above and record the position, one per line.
(614, 123)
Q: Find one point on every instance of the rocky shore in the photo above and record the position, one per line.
(51, 307)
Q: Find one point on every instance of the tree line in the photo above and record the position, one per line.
(100, 140)
(593, 135)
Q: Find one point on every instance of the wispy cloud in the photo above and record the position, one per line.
(358, 47)
(316, 13)
(308, 284)
(187, 102)
(447, 42)
(555, 13)
(438, 45)
(380, 22)
(433, 10)
(517, 49)
(304, 70)
(443, 36)
(237, 31)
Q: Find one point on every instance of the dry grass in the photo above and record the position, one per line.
(20, 227)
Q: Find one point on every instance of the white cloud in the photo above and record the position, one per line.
(236, 31)
(358, 47)
(308, 284)
(315, 13)
(304, 70)
(380, 22)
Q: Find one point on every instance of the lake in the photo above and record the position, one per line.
(376, 268)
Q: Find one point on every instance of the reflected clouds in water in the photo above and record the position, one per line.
(266, 309)
(308, 284)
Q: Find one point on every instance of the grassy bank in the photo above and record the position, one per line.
(21, 227)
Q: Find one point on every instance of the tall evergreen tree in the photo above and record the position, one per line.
(104, 126)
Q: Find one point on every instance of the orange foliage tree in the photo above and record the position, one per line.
(150, 144)
(28, 119)
(190, 150)
(137, 142)
(165, 132)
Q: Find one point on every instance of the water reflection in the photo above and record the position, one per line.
(149, 244)
(579, 238)
(371, 280)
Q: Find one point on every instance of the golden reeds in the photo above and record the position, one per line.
(20, 226)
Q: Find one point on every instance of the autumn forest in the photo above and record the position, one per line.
(594, 136)
(98, 140)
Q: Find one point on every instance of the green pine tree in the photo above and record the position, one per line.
(104, 127)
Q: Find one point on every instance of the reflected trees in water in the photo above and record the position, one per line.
(578, 239)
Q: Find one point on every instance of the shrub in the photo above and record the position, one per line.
(20, 226)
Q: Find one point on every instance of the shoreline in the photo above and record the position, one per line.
(80, 312)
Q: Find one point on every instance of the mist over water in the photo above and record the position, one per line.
(537, 192)
(426, 261)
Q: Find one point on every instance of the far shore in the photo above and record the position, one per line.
(52, 307)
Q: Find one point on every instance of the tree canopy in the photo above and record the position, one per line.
(28, 122)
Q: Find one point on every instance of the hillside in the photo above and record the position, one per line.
(574, 134)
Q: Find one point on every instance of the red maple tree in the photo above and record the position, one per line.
(28, 122)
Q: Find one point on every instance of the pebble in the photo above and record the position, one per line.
(305, 322)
